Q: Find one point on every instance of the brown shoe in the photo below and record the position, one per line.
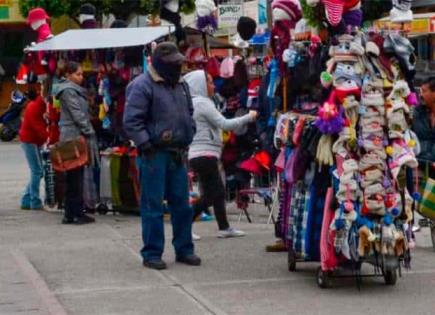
(279, 246)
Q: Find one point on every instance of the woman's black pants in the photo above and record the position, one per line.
(212, 189)
(74, 193)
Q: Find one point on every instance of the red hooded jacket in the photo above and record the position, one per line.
(34, 127)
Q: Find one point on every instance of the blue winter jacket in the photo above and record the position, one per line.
(425, 133)
(158, 115)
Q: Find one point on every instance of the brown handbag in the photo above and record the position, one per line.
(69, 155)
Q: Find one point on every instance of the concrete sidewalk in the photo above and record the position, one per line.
(49, 268)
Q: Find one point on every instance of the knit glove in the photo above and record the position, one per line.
(324, 151)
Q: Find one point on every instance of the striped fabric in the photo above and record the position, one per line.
(334, 11)
(427, 202)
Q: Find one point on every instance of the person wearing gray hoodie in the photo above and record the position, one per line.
(206, 149)
(75, 122)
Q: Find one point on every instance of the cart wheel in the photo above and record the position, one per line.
(323, 278)
(102, 209)
(390, 277)
(291, 260)
(432, 233)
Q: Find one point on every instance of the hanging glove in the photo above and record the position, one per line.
(324, 151)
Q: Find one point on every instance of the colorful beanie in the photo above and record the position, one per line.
(286, 10)
(253, 90)
(353, 17)
(205, 10)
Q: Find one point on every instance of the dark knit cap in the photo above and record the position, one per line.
(87, 8)
(246, 27)
(119, 24)
(167, 52)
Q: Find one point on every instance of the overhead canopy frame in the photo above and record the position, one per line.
(102, 38)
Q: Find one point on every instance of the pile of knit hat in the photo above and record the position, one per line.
(368, 109)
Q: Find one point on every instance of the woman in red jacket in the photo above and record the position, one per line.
(33, 134)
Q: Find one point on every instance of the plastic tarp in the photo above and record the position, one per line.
(102, 38)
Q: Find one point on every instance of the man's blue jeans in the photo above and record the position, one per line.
(162, 178)
(31, 199)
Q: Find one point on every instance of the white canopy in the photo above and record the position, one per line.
(102, 38)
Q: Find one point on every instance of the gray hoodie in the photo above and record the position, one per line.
(209, 121)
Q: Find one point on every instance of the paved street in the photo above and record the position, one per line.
(50, 269)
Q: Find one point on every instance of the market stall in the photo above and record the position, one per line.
(110, 58)
(340, 105)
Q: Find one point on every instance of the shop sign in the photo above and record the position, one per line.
(251, 9)
(9, 11)
(229, 14)
(4, 9)
(417, 26)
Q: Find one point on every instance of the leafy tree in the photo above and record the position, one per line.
(121, 9)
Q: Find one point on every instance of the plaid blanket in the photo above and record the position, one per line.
(314, 223)
(298, 218)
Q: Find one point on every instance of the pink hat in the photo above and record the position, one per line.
(291, 8)
(37, 14)
(227, 68)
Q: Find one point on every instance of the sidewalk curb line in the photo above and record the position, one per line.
(48, 298)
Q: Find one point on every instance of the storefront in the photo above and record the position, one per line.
(421, 32)
(14, 35)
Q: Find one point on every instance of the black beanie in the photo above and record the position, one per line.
(246, 27)
(119, 24)
(87, 8)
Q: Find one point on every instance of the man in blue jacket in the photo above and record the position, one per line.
(424, 124)
(158, 118)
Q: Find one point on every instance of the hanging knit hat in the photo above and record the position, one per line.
(119, 24)
(401, 11)
(334, 9)
(205, 11)
(212, 67)
(227, 68)
(353, 17)
(401, 155)
(286, 10)
(87, 9)
(36, 15)
(238, 41)
(253, 90)
(246, 27)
